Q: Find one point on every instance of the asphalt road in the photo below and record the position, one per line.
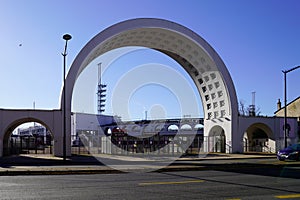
(239, 182)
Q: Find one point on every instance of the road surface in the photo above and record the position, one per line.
(238, 182)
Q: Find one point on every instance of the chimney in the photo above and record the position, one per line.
(278, 105)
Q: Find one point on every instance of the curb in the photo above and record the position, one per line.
(170, 168)
(56, 172)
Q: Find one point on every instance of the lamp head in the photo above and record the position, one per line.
(67, 37)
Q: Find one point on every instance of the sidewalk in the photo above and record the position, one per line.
(86, 164)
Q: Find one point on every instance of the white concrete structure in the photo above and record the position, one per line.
(11, 119)
(265, 134)
(192, 52)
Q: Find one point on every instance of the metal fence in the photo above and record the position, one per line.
(29, 145)
(168, 145)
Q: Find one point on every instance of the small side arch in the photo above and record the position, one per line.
(259, 137)
(217, 139)
(12, 126)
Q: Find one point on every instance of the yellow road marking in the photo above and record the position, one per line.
(171, 182)
(288, 196)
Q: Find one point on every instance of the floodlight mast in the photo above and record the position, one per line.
(101, 92)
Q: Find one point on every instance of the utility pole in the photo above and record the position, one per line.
(66, 37)
(286, 126)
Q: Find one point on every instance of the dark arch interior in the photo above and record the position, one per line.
(259, 134)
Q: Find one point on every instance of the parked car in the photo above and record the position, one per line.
(291, 153)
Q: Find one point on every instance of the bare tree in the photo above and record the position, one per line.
(246, 110)
(242, 108)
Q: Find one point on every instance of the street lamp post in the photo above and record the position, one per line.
(66, 37)
(285, 126)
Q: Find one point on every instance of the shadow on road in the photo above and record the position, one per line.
(284, 169)
(24, 160)
(256, 186)
(290, 170)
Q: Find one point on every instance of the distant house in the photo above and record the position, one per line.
(293, 110)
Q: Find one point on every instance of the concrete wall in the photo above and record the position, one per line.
(273, 126)
(52, 119)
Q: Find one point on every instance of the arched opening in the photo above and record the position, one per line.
(28, 136)
(173, 128)
(217, 140)
(202, 64)
(258, 138)
(186, 127)
(136, 129)
(198, 127)
(159, 127)
(157, 99)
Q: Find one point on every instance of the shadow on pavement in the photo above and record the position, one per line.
(25, 160)
(289, 170)
(282, 169)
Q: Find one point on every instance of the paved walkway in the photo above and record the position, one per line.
(86, 164)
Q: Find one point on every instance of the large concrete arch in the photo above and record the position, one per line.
(192, 52)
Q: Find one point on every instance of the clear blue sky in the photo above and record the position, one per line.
(256, 39)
